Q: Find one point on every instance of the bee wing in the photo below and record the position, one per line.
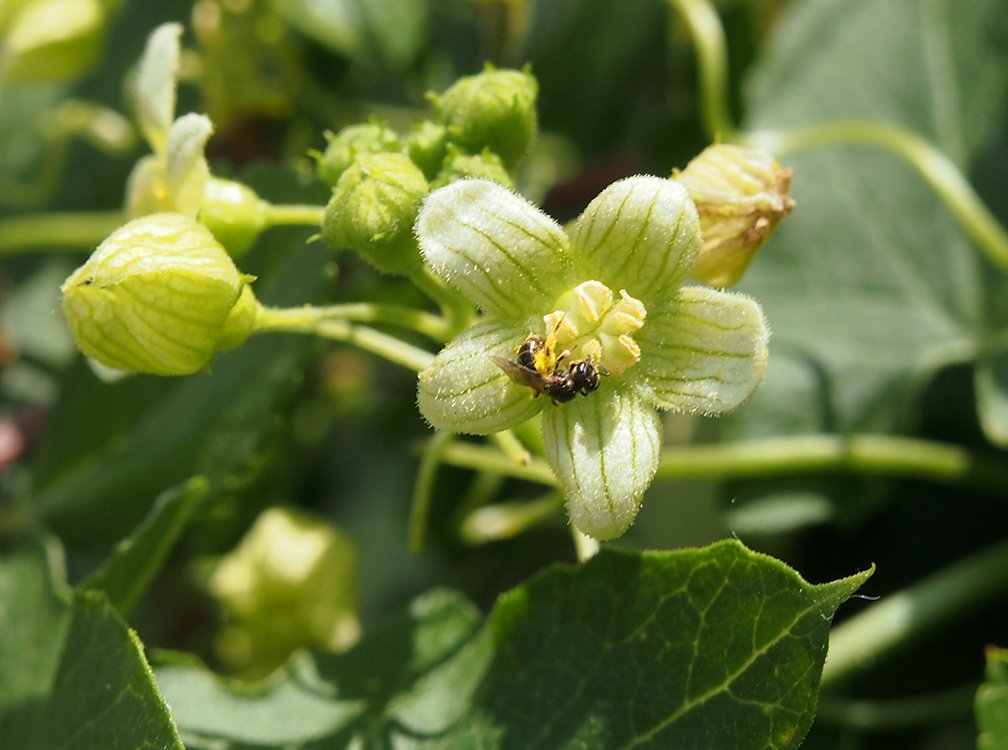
(517, 373)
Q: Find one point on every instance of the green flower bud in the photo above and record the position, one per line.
(351, 142)
(233, 213)
(52, 40)
(486, 165)
(427, 146)
(495, 109)
(741, 195)
(157, 296)
(290, 583)
(372, 211)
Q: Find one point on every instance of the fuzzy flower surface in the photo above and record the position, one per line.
(608, 293)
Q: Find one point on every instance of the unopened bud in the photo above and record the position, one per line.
(157, 296)
(427, 145)
(741, 195)
(372, 210)
(351, 142)
(233, 213)
(495, 109)
(485, 165)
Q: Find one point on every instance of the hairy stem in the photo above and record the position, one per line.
(307, 320)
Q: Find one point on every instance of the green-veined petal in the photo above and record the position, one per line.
(641, 234)
(604, 449)
(496, 248)
(154, 87)
(463, 390)
(186, 170)
(705, 352)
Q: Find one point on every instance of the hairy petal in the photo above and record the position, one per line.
(641, 234)
(495, 247)
(463, 390)
(705, 352)
(154, 87)
(604, 449)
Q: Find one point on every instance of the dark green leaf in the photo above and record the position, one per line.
(72, 675)
(870, 286)
(992, 395)
(992, 703)
(651, 650)
(136, 560)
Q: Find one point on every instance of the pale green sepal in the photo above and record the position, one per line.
(604, 449)
(704, 352)
(186, 170)
(641, 234)
(464, 391)
(154, 86)
(496, 248)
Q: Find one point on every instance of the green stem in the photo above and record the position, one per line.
(936, 168)
(423, 489)
(294, 214)
(803, 454)
(422, 322)
(305, 320)
(861, 454)
(70, 231)
(901, 713)
(899, 619)
(708, 39)
(492, 523)
(482, 458)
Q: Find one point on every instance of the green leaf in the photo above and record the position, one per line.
(712, 647)
(390, 31)
(992, 703)
(136, 560)
(72, 674)
(870, 287)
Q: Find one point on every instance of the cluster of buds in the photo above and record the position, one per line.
(480, 127)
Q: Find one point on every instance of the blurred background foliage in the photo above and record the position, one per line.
(881, 307)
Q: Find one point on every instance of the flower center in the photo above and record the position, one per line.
(591, 324)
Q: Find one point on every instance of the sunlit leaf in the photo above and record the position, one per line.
(652, 650)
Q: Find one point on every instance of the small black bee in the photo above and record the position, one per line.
(561, 385)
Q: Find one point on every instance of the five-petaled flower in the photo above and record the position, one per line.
(611, 293)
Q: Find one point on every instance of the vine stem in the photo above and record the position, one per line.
(708, 39)
(314, 320)
(905, 616)
(937, 169)
(294, 214)
(801, 454)
(72, 231)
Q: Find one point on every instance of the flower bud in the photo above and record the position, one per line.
(741, 194)
(52, 40)
(495, 109)
(486, 165)
(372, 211)
(233, 213)
(157, 296)
(351, 142)
(427, 146)
(290, 583)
